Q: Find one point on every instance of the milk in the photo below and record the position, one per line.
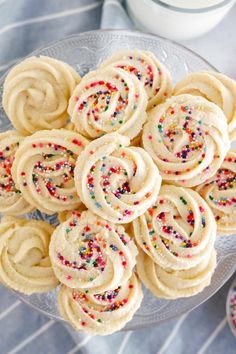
(178, 19)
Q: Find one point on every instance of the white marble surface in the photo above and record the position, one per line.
(219, 45)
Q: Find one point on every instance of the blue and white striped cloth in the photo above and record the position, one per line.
(24, 26)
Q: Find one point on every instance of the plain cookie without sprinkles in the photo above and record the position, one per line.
(25, 265)
(174, 284)
(36, 93)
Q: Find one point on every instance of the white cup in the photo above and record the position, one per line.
(178, 19)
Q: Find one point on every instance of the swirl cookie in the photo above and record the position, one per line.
(144, 65)
(102, 313)
(173, 284)
(187, 138)
(114, 181)
(220, 193)
(108, 101)
(178, 231)
(217, 88)
(24, 261)
(36, 94)
(43, 169)
(88, 252)
(11, 199)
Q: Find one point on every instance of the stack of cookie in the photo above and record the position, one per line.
(140, 175)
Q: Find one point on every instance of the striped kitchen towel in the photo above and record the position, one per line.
(24, 26)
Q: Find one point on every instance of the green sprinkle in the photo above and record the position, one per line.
(183, 200)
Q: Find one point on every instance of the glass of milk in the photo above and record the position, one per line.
(178, 19)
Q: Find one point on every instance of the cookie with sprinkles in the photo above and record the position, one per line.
(173, 284)
(116, 181)
(66, 214)
(102, 313)
(90, 253)
(106, 101)
(148, 69)
(178, 231)
(11, 199)
(24, 260)
(220, 193)
(137, 141)
(187, 138)
(217, 88)
(36, 93)
(43, 169)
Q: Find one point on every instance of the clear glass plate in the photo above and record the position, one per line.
(84, 52)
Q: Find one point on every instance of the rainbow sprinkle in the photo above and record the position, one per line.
(6, 161)
(92, 247)
(46, 171)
